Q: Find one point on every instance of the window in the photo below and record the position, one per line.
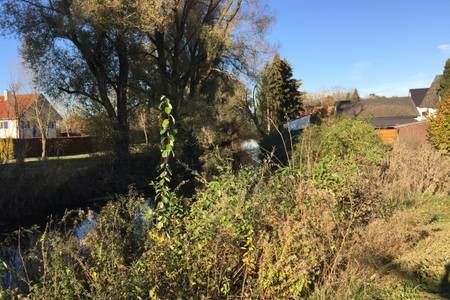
(4, 125)
(51, 125)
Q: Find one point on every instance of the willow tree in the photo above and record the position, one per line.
(203, 46)
(85, 49)
(114, 55)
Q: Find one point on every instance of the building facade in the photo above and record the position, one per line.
(22, 116)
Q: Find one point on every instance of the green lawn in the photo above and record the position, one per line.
(67, 157)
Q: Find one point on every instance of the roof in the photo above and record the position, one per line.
(382, 107)
(390, 122)
(431, 98)
(8, 110)
(418, 95)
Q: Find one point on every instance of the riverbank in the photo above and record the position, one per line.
(32, 191)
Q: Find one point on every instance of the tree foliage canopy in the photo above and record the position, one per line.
(440, 126)
(279, 98)
(115, 55)
(444, 90)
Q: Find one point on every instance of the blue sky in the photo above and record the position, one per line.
(383, 46)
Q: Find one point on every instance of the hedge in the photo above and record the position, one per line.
(11, 148)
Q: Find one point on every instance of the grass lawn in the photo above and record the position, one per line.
(134, 149)
(419, 270)
(36, 159)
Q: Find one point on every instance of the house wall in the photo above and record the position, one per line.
(25, 133)
(425, 112)
(387, 135)
(33, 130)
(11, 131)
(413, 135)
(27, 128)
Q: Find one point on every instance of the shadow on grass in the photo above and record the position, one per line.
(445, 282)
(428, 285)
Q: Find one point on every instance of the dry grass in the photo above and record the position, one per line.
(402, 257)
(411, 171)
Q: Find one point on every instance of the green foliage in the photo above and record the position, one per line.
(107, 39)
(100, 266)
(279, 98)
(343, 139)
(344, 157)
(439, 128)
(252, 234)
(337, 153)
(3, 268)
(164, 196)
(444, 90)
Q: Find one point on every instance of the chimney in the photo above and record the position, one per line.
(7, 95)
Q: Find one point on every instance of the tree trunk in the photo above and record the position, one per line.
(146, 135)
(121, 141)
(44, 147)
(122, 137)
(20, 151)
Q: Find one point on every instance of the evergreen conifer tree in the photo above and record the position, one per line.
(444, 90)
(355, 96)
(279, 98)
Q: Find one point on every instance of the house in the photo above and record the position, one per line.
(382, 112)
(394, 119)
(426, 99)
(397, 118)
(20, 116)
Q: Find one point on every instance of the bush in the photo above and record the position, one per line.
(6, 150)
(341, 139)
(14, 148)
(346, 158)
(440, 126)
(243, 237)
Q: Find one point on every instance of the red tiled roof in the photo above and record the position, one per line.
(8, 109)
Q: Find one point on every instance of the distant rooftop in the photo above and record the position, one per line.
(431, 98)
(382, 107)
(418, 95)
(391, 122)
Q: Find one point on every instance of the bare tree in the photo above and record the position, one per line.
(17, 109)
(44, 117)
(72, 121)
(144, 122)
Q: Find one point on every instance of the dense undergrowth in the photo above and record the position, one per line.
(348, 218)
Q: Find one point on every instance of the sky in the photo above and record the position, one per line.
(384, 47)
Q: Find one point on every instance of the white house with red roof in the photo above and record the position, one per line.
(20, 115)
